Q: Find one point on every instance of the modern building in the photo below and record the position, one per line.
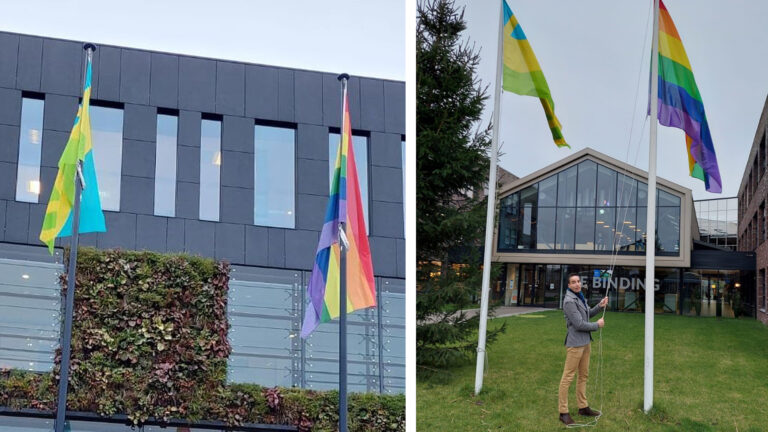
(586, 214)
(217, 158)
(752, 216)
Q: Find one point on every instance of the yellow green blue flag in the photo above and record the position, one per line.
(58, 215)
(522, 73)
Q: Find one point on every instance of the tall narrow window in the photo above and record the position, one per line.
(360, 144)
(165, 165)
(107, 136)
(210, 169)
(274, 187)
(30, 145)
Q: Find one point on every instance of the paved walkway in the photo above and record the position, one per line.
(505, 311)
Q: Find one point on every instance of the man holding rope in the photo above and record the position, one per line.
(577, 342)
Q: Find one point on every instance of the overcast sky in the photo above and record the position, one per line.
(360, 37)
(591, 52)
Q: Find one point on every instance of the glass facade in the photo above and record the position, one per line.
(587, 208)
(694, 292)
(165, 165)
(274, 177)
(266, 308)
(718, 220)
(360, 144)
(30, 306)
(30, 150)
(210, 169)
(107, 136)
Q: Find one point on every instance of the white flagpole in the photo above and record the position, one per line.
(650, 243)
(491, 212)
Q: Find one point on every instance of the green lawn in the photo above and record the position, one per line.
(710, 375)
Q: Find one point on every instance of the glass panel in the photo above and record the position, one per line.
(566, 188)
(508, 222)
(527, 227)
(274, 200)
(393, 335)
(566, 222)
(360, 144)
(606, 187)
(668, 229)
(30, 149)
(585, 228)
(545, 228)
(25, 424)
(210, 169)
(587, 183)
(322, 353)
(640, 231)
(165, 165)
(642, 194)
(605, 226)
(107, 137)
(627, 191)
(548, 192)
(30, 303)
(626, 222)
(667, 199)
(95, 426)
(262, 307)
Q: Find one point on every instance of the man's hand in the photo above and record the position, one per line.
(604, 302)
(600, 323)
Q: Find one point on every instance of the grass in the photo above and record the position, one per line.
(710, 375)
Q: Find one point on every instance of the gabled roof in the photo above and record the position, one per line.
(600, 158)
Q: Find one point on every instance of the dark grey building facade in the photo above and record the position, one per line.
(217, 158)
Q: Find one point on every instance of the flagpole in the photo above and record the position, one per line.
(489, 228)
(343, 245)
(61, 409)
(650, 243)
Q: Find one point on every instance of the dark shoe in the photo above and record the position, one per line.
(589, 412)
(566, 418)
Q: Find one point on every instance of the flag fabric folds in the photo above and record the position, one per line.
(344, 205)
(522, 73)
(680, 104)
(58, 215)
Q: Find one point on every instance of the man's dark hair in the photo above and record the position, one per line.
(572, 275)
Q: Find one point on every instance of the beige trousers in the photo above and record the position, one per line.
(576, 358)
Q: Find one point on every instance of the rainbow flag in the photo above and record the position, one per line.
(522, 73)
(344, 205)
(58, 215)
(680, 104)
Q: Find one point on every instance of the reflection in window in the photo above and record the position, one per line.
(566, 188)
(585, 228)
(586, 184)
(605, 227)
(165, 165)
(360, 144)
(274, 200)
(548, 192)
(393, 335)
(30, 302)
(607, 215)
(107, 136)
(527, 227)
(668, 230)
(30, 148)
(545, 234)
(606, 187)
(566, 222)
(210, 169)
(508, 222)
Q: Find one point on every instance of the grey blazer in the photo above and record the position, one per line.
(577, 320)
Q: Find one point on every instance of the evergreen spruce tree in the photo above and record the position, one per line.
(452, 162)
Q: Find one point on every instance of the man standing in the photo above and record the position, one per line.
(577, 342)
